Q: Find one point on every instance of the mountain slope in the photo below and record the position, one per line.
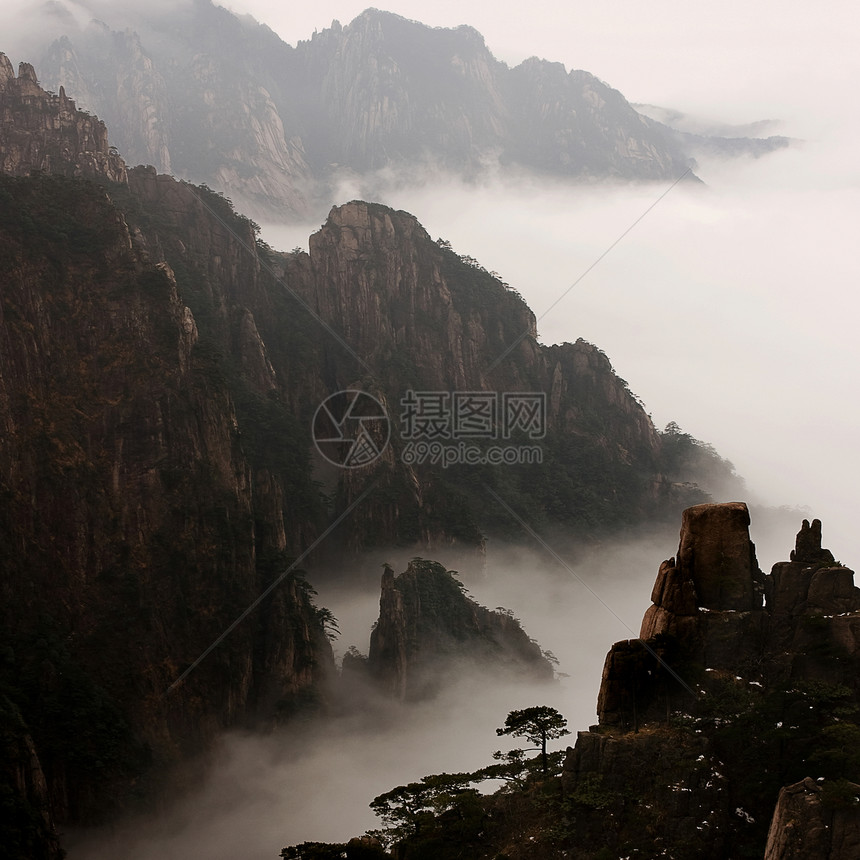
(215, 99)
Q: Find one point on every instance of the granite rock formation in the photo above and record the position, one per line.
(806, 826)
(40, 131)
(732, 731)
(741, 683)
(429, 629)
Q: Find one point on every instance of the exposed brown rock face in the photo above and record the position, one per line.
(805, 827)
(716, 554)
(45, 132)
(707, 597)
(135, 526)
(428, 627)
(710, 600)
(389, 647)
(757, 693)
(716, 569)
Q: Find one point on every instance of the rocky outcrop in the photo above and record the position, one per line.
(806, 826)
(44, 132)
(723, 613)
(745, 682)
(429, 629)
(812, 582)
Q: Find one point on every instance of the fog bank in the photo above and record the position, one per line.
(314, 780)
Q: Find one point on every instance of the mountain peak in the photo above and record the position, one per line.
(44, 132)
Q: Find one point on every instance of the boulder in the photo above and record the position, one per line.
(805, 826)
(716, 553)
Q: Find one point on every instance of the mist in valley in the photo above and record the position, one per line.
(313, 779)
(729, 308)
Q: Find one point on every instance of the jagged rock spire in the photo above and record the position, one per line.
(7, 73)
(808, 545)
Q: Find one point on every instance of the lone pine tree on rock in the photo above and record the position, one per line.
(538, 724)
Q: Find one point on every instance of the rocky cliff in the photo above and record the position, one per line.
(224, 101)
(731, 729)
(741, 683)
(429, 628)
(41, 131)
(377, 304)
(135, 527)
(808, 824)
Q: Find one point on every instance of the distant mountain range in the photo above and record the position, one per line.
(209, 97)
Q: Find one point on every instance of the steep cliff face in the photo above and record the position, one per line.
(134, 105)
(731, 697)
(574, 124)
(378, 305)
(224, 101)
(429, 628)
(40, 131)
(420, 318)
(133, 532)
(397, 297)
